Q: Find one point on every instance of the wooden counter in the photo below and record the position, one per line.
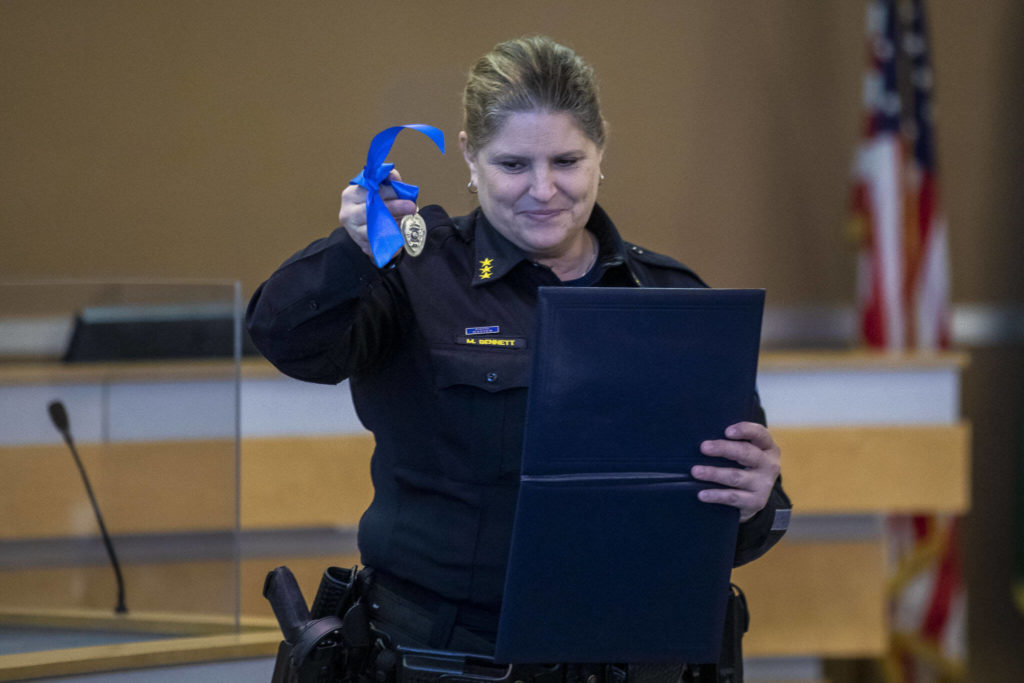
(863, 435)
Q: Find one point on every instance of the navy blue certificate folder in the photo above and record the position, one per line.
(613, 558)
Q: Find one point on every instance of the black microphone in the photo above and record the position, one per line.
(59, 416)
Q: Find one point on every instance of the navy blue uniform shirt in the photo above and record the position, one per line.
(437, 350)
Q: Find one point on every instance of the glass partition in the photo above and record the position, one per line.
(119, 401)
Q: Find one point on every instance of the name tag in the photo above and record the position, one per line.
(498, 342)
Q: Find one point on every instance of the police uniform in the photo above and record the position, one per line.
(437, 351)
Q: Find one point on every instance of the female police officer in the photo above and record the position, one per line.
(447, 411)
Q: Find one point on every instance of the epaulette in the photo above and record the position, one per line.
(653, 258)
(436, 219)
(435, 216)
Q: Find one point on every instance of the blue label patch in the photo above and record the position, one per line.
(490, 329)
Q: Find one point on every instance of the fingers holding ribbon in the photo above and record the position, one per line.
(377, 195)
(352, 215)
(748, 486)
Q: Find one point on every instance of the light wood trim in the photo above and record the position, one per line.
(881, 469)
(861, 359)
(260, 368)
(53, 372)
(168, 623)
(174, 651)
(50, 372)
(822, 598)
(123, 371)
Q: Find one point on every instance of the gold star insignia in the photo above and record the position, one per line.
(485, 268)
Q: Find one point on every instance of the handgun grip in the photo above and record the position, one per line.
(285, 596)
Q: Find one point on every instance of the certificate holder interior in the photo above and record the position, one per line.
(613, 558)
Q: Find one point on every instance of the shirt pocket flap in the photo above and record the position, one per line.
(492, 370)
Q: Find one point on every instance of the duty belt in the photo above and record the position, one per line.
(334, 642)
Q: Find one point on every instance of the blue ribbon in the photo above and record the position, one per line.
(381, 228)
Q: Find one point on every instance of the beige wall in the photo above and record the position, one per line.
(210, 139)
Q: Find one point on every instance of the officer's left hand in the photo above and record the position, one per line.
(747, 487)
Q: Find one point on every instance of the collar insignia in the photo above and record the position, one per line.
(485, 268)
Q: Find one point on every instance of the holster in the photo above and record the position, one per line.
(329, 643)
(737, 621)
(335, 643)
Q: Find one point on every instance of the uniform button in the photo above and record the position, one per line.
(313, 305)
(492, 377)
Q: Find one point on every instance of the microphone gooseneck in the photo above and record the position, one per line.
(59, 416)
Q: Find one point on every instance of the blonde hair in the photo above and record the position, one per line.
(533, 73)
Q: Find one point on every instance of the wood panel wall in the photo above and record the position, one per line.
(182, 138)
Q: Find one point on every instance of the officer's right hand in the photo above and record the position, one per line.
(352, 215)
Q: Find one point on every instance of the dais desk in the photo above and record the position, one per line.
(863, 435)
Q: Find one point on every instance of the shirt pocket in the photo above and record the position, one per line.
(481, 402)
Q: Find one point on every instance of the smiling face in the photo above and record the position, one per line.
(537, 180)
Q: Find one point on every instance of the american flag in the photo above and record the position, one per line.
(903, 268)
(903, 297)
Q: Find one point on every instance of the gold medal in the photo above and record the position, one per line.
(414, 232)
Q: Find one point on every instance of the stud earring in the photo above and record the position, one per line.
(471, 187)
